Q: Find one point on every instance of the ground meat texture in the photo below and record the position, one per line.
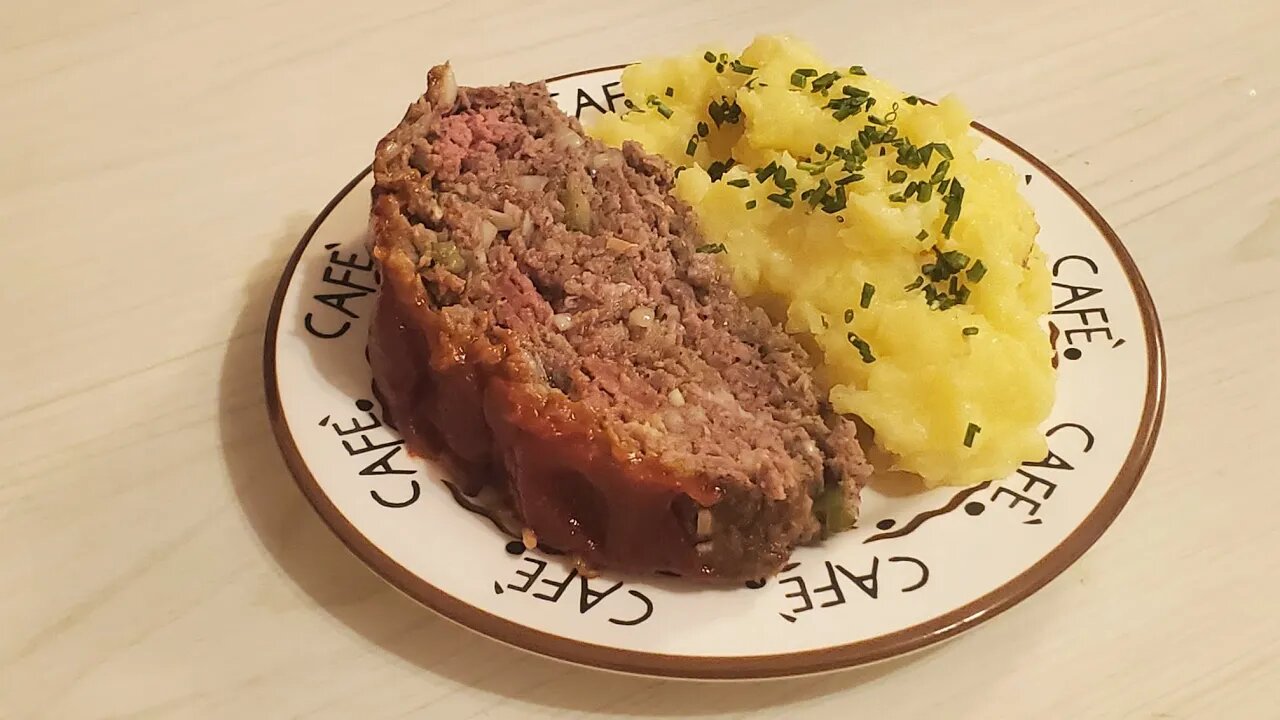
(544, 312)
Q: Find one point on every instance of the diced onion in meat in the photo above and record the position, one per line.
(507, 219)
(567, 139)
(532, 183)
(704, 523)
(641, 317)
(488, 233)
(561, 321)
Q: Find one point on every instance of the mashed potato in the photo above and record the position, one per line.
(862, 218)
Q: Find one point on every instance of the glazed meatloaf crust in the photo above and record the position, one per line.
(545, 310)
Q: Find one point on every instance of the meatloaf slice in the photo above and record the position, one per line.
(546, 312)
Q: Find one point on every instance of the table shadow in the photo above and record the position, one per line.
(340, 584)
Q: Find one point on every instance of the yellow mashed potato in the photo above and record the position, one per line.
(862, 218)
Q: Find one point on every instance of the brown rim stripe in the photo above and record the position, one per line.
(756, 666)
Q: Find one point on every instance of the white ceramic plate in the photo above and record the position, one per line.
(917, 570)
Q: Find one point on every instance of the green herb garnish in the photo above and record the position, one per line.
(766, 172)
(862, 347)
(783, 199)
(868, 290)
(970, 433)
(711, 248)
(823, 83)
(718, 168)
(955, 200)
(977, 272)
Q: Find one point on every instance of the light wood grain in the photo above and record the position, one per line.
(160, 159)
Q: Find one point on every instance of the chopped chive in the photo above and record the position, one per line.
(970, 433)
(671, 92)
(896, 197)
(822, 150)
(977, 272)
(836, 202)
(924, 192)
(955, 199)
(740, 182)
(856, 70)
(911, 100)
(751, 204)
(765, 172)
(868, 290)
(863, 348)
(898, 176)
(944, 150)
(940, 172)
(817, 195)
(711, 248)
(664, 111)
(692, 147)
(703, 129)
(709, 56)
(1027, 178)
(782, 199)
(915, 285)
(962, 295)
(853, 177)
(923, 234)
(970, 330)
(955, 260)
(823, 83)
(717, 169)
(741, 69)
(848, 315)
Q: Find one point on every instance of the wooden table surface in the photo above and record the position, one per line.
(160, 158)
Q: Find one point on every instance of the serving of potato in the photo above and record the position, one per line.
(862, 218)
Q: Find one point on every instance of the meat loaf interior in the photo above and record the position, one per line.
(549, 310)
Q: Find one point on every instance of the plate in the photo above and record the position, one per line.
(919, 568)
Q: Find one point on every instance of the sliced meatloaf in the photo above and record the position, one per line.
(546, 311)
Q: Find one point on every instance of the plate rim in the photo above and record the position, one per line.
(744, 667)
